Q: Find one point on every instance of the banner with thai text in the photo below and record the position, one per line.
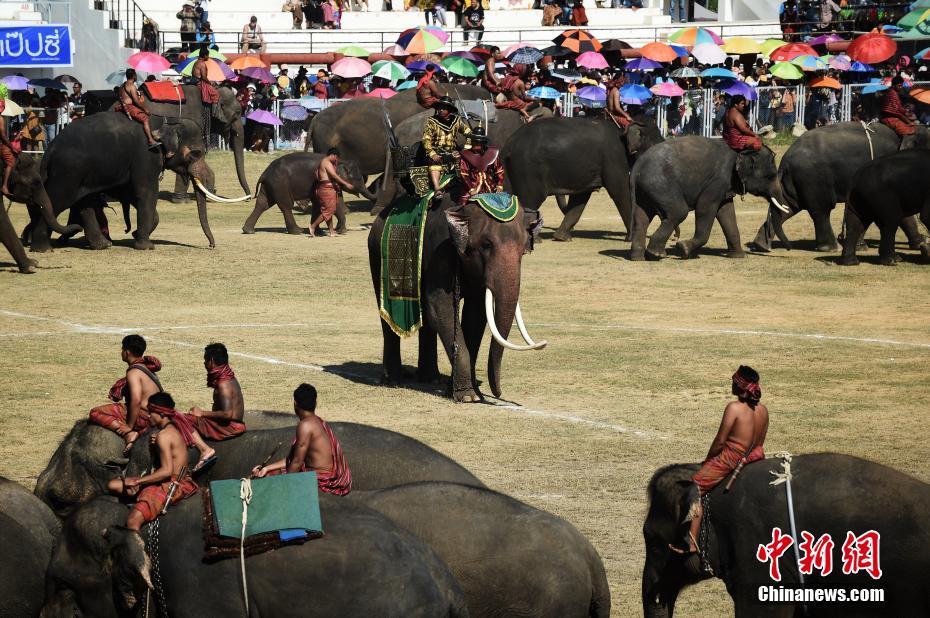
(45, 45)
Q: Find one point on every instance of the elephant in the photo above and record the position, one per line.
(77, 471)
(107, 153)
(32, 514)
(817, 171)
(23, 563)
(509, 558)
(27, 188)
(363, 565)
(465, 254)
(700, 174)
(832, 494)
(886, 192)
(575, 156)
(290, 178)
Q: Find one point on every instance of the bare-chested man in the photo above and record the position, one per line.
(315, 449)
(428, 92)
(131, 104)
(736, 130)
(615, 105)
(8, 152)
(209, 95)
(327, 189)
(740, 437)
(489, 79)
(129, 419)
(513, 87)
(151, 490)
(224, 420)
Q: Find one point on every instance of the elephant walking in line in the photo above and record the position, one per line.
(817, 171)
(700, 174)
(886, 192)
(833, 494)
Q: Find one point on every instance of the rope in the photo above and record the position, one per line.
(785, 477)
(868, 134)
(245, 494)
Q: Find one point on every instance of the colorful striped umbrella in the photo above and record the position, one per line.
(422, 39)
(786, 70)
(245, 62)
(579, 41)
(354, 51)
(667, 89)
(349, 67)
(923, 54)
(660, 52)
(695, 36)
(635, 94)
(592, 60)
(792, 51)
(459, 66)
(390, 70)
(148, 61)
(680, 50)
(708, 53)
(544, 92)
(810, 63)
(216, 71)
(872, 48)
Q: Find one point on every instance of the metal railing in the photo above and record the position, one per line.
(127, 16)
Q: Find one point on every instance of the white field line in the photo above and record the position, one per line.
(78, 328)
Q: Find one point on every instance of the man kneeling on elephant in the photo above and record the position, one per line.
(170, 482)
(738, 442)
(480, 168)
(736, 131)
(315, 449)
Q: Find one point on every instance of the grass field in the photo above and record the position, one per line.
(635, 376)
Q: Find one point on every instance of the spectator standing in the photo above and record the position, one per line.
(786, 113)
(149, 35)
(77, 94)
(296, 9)
(203, 12)
(827, 8)
(473, 18)
(439, 12)
(579, 15)
(52, 104)
(188, 18)
(321, 87)
(253, 41)
(678, 10)
(206, 37)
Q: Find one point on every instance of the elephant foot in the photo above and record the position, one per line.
(889, 260)
(248, 230)
(736, 253)
(468, 395)
(684, 248)
(294, 231)
(143, 244)
(850, 260)
(920, 243)
(180, 198)
(827, 247)
(29, 267)
(755, 246)
(562, 236)
(638, 255)
(40, 247)
(925, 250)
(428, 376)
(655, 256)
(100, 246)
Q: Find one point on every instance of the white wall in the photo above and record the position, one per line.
(98, 50)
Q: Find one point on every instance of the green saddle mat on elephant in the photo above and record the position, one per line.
(502, 206)
(284, 502)
(401, 259)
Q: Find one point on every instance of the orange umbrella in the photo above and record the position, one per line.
(826, 82)
(871, 48)
(244, 62)
(579, 41)
(921, 94)
(660, 52)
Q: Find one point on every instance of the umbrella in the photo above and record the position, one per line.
(786, 70)
(297, 113)
(216, 71)
(544, 92)
(566, 75)
(769, 45)
(116, 77)
(680, 51)
(859, 67)
(660, 52)
(823, 39)
(667, 89)
(923, 54)
(262, 117)
(381, 93)
(148, 61)
(875, 86)
(47, 83)
(921, 94)
(422, 40)
(810, 63)
(245, 62)
(260, 73)
(12, 109)
(420, 66)
(389, 70)
(405, 86)
(460, 66)
(467, 55)
(480, 51)
(15, 82)
(840, 63)
(913, 18)
(617, 45)
(67, 79)
(592, 60)
(556, 51)
(635, 94)
(872, 48)
(685, 72)
(395, 50)
(741, 45)
(525, 55)
(826, 82)
(592, 96)
(718, 72)
(642, 64)
(708, 53)
(349, 67)
(216, 55)
(695, 36)
(579, 41)
(354, 51)
(792, 51)
(738, 87)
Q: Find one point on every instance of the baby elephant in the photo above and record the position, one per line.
(885, 192)
(290, 179)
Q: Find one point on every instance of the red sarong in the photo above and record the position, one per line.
(134, 112)
(739, 141)
(337, 481)
(7, 155)
(152, 498)
(113, 416)
(515, 104)
(208, 94)
(212, 429)
(726, 461)
(901, 127)
(326, 198)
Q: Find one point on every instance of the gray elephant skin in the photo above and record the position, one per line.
(886, 192)
(364, 565)
(377, 457)
(697, 174)
(509, 558)
(832, 494)
(290, 179)
(817, 171)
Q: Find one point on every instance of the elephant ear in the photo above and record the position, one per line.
(131, 565)
(457, 219)
(533, 221)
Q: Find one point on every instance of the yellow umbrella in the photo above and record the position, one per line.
(12, 109)
(770, 45)
(741, 45)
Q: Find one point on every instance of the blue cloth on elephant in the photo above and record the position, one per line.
(502, 206)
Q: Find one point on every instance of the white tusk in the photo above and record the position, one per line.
(489, 310)
(780, 206)
(525, 334)
(217, 198)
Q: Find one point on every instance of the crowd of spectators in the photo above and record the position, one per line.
(44, 115)
(802, 18)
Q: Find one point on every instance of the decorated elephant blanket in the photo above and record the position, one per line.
(284, 502)
(164, 92)
(502, 206)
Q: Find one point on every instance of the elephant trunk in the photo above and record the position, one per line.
(364, 192)
(48, 215)
(658, 601)
(201, 170)
(236, 144)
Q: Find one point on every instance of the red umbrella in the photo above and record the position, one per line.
(791, 51)
(871, 48)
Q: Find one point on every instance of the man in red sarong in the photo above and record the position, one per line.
(224, 420)
(428, 92)
(736, 131)
(513, 87)
(152, 490)
(480, 168)
(8, 152)
(489, 79)
(209, 95)
(615, 105)
(740, 438)
(327, 190)
(894, 114)
(131, 104)
(315, 449)
(131, 418)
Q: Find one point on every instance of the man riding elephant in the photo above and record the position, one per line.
(895, 115)
(480, 168)
(737, 133)
(440, 137)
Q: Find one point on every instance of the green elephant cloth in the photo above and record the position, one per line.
(284, 502)
(502, 206)
(401, 259)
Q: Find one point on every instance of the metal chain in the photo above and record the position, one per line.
(702, 535)
(456, 294)
(152, 543)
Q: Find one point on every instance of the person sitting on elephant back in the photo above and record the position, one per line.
(8, 152)
(894, 115)
(153, 491)
(428, 92)
(615, 105)
(131, 104)
(489, 80)
(513, 86)
(480, 168)
(209, 95)
(440, 140)
(739, 441)
(736, 131)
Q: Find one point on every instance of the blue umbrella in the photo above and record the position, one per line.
(680, 50)
(526, 55)
(544, 92)
(738, 87)
(859, 67)
(642, 64)
(591, 93)
(635, 94)
(294, 112)
(16, 82)
(718, 72)
(874, 86)
(405, 86)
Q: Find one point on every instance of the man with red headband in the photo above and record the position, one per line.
(152, 490)
(224, 420)
(739, 439)
(428, 93)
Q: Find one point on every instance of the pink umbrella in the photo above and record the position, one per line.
(381, 93)
(351, 67)
(506, 53)
(148, 62)
(667, 89)
(395, 50)
(592, 60)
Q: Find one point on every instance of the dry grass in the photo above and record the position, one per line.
(635, 345)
